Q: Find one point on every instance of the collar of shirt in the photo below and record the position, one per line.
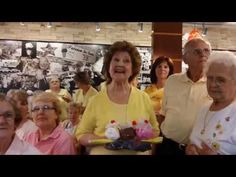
(185, 78)
(55, 134)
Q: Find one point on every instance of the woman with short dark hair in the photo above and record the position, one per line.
(85, 91)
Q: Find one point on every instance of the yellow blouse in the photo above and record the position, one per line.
(79, 97)
(155, 95)
(101, 110)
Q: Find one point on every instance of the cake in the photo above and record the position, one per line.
(127, 133)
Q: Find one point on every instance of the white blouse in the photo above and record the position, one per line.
(217, 129)
(20, 147)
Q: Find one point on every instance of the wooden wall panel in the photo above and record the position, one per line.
(167, 40)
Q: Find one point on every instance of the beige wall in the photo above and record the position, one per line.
(78, 32)
(220, 37)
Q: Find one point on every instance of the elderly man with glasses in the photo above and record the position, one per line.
(184, 94)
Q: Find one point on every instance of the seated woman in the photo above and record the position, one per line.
(10, 143)
(70, 125)
(50, 138)
(85, 91)
(74, 118)
(62, 94)
(214, 131)
(26, 125)
(118, 102)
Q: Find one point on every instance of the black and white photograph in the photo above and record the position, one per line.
(29, 49)
(144, 77)
(29, 65)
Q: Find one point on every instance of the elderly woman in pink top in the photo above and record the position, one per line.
(50, 138)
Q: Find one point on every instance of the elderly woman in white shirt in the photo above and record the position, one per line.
(10, 143)
(62, 94)
(214, 131)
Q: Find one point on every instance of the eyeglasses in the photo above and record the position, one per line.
(198, 52)
(8, 116)
(54, 82)
(218, 80)
(44, 108)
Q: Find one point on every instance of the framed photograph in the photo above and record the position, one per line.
(29, 65)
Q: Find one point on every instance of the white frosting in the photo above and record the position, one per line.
(112, 133)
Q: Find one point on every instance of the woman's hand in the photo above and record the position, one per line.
(86, 138)
(206, 150)
(67, 99)
(191, 149)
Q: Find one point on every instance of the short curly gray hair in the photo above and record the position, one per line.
(226, 58)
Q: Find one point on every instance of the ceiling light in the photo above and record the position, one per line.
(49, 25)
(204, 30)
(98, 27)
(140, 27)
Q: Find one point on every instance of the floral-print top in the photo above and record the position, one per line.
(217, 129)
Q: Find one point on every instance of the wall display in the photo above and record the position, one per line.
(144, 77)
(29, 65)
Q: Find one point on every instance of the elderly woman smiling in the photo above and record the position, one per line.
(119, 101)
(214, 131)
(10, 143)
(50, 138)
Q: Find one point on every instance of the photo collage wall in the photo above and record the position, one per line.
(29, 65)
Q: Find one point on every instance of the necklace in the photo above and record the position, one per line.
(206, 121)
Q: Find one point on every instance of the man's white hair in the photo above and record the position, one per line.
(191, 43)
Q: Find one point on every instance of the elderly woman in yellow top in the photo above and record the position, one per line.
(62, 94)
(214, 130)
(162, 68)
(119, 101)
(85, 91)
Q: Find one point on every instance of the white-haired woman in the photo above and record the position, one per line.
(62, 94)
(50, 137)
(214, 131)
